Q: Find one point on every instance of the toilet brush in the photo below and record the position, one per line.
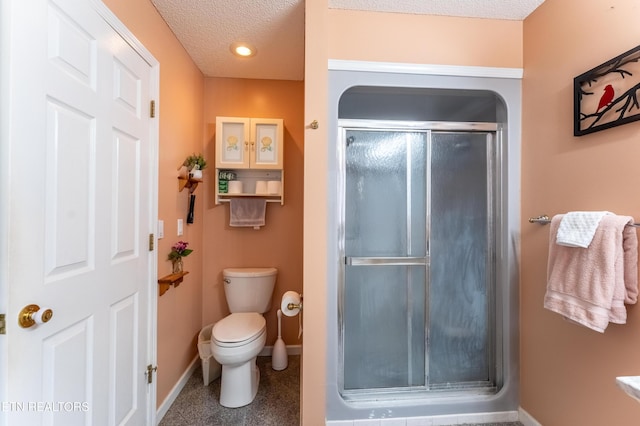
(279, 358)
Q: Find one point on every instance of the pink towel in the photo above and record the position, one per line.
(591, 285)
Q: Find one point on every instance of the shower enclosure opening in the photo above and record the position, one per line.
(418, 309)
(423, 290)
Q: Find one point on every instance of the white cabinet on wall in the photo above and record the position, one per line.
(247, 143)
(251, 149)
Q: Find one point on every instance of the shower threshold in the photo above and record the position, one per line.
(418, 393)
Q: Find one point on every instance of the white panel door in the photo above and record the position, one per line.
(81, 209)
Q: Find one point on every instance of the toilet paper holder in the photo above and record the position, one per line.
(294, 305)
(291, 304)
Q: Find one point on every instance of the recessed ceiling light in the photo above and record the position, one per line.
(242, 49)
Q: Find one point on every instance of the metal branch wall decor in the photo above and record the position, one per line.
(607, 95)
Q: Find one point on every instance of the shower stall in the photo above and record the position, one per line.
(422, 312)
(416, 293)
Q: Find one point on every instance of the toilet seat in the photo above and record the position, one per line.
(238, 329)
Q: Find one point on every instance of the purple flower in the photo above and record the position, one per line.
(179, 249)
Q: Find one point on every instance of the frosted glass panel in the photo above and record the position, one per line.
(376, 194)
(385, 199)
(384, 327)
(460, 259)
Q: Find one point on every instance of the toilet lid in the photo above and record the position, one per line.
(238, 327)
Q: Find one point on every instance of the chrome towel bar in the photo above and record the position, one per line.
(542, 219)
(545, 220)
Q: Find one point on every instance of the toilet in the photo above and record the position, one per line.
(237, 339)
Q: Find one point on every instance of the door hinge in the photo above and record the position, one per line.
(152, 109)
(151, 238)
(149, 373)
(3, 324)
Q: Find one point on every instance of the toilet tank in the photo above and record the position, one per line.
(249, 289)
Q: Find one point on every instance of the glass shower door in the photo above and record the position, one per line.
(417, 301)
(385, 256)
(461, 296)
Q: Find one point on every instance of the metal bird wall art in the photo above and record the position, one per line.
(607, 95)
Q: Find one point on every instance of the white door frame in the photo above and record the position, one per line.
(5, 185)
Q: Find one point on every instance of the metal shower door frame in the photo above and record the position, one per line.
(426, 127)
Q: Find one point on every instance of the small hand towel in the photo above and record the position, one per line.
(590, 286)
(247, 212)
(577, 228)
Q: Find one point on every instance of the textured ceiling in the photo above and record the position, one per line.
(206, 29)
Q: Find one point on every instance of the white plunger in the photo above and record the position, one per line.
(279, 360)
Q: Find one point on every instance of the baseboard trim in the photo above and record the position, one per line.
(527, 419)
(175, 391)
(291, 350)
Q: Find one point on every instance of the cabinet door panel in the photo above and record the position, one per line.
(266, 143)
(232, 149)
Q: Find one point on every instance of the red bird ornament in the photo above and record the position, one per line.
(606, 98)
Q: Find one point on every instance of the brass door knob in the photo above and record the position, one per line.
(31, 315)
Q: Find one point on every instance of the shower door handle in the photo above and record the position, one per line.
(387, 261)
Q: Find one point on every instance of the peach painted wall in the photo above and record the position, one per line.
(313, 366)
(423, 39)
(279, 243)
(348, 35)
(568, 372)
(180, 114)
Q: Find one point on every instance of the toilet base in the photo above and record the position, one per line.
(239, 384)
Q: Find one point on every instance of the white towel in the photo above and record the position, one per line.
(578, 228)
(247, 212)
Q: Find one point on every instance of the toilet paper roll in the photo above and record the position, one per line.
(273, 187)
(235, 187)
(261, 187)
(291, 303)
